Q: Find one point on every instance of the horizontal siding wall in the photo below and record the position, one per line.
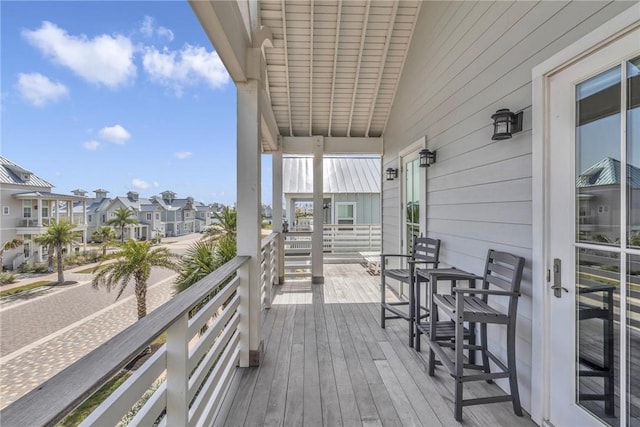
(367, 206)
(467, 60)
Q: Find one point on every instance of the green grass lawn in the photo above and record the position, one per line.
(25, 288)
(81, 412)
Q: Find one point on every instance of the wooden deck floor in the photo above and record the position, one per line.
(328, 362)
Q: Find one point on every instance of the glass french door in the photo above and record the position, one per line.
(594, 235)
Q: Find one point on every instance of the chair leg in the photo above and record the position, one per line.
(459, 354)
(485, 358)
(417, 314)
(383, 314)
(411, 310)
(511, 365)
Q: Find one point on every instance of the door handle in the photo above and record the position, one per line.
(557, 280)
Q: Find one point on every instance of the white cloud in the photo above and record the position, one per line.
(116, 134)
(156, 184)
(183, 154)
(166, 33)
(187, 67)
(38, 90)
(138, 183)
(106, 60)
(91, 145)
(148, 29)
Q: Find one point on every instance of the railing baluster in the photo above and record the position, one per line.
(177, 374)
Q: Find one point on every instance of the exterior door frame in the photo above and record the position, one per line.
(541, 295)
(409, 151)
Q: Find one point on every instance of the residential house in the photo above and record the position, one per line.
(351, 188)
(398, 79)
(28, 204)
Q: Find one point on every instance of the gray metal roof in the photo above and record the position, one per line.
(340, 175)
(9, 174)
(607, 172)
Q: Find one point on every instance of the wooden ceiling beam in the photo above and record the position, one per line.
(363, 36)
(383, 62)
(335, 64)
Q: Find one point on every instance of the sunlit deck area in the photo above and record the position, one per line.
(328, 362)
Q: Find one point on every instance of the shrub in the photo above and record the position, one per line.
(7, 278)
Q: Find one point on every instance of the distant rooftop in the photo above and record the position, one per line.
(11, 173)
(340, 175)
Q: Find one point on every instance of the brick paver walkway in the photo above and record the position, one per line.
(27, 366)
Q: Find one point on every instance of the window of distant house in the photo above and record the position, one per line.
(104, 218)
(184, 227)
(149, 217)
(112, 214)
(45, 210)
(346, 213)
(157, 216)
(603, 209)
(26, 208)
(5, 210)
(89, 218)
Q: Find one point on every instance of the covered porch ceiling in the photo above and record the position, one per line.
(328, 68)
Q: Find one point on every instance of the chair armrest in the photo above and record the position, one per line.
(452, 274)
(420, 261)
(485, 292)
(397, 255)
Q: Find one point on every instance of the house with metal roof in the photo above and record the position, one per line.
(28, 204)
(351, 189)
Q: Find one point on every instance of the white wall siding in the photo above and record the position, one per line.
(467, 60)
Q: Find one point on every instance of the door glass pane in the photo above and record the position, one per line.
(633, 340)
(598, 158)
(633, 152)
(412, 194)
(633, 267)
(597, 332)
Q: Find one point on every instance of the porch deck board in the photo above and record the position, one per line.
(327, 362)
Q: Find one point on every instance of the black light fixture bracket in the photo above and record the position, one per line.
(506, 123)
(391, 174)
(427, 158)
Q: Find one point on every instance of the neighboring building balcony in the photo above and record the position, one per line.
(324, 360)
(34, 223)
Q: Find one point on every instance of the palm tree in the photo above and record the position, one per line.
(8, 245)
(202, 258)
(105, 235)
(133, 261)
(58, 235)
(226, 224)
(123, 218)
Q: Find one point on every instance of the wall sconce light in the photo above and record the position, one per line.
(506, 123)
(427, 158)
(392, 174)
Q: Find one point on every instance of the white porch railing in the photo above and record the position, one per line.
(184, 381)
(268, 268)
(352, 238)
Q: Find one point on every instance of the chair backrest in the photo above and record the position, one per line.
(503, 270)
(426, 249)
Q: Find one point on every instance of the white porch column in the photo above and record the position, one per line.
(39, 203)
(57, 207)
(317, 256)
(291, 212)
(249, 219)
(276, 211)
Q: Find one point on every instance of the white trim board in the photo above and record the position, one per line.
(614, 28)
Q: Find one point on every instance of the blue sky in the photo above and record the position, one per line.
(120, 95)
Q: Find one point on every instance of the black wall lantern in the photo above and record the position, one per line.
(427, 158)
(506, 123)
(392, 174)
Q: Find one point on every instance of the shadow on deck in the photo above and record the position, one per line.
(328, 362)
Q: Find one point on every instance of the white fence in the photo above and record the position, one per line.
(349, 239)
(268, 268)
(182, 384)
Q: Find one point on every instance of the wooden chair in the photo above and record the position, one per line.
(502, 277)
(425, 252)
